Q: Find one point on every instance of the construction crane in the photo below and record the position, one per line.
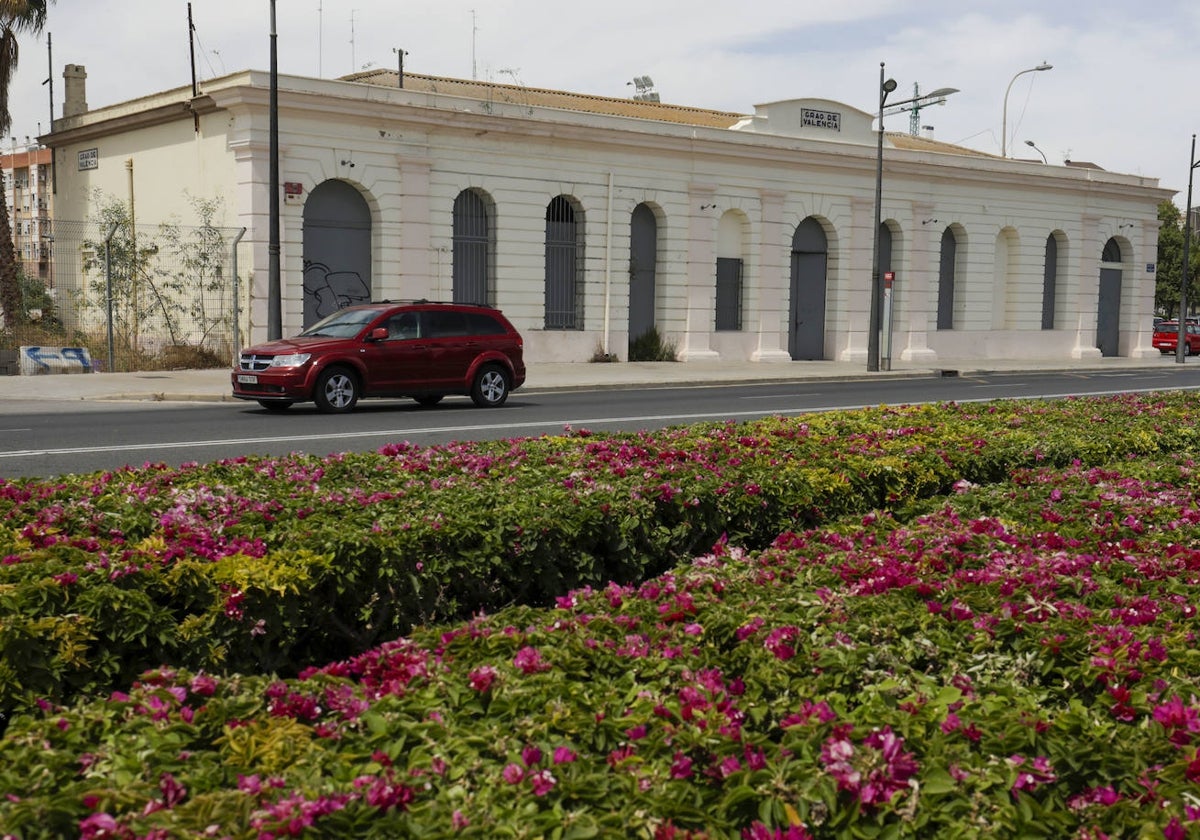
(915, 105)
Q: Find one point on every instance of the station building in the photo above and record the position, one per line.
(590, 220)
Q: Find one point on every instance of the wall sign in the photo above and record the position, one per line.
(89, 159)
(812, 118)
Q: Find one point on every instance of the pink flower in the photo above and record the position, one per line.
(564, 755)
(531, 756)
(529, 661)
(1031, 777)
(97, 826)
(542, 782)
(874, 772)
(481, 678)
(513, 774)
(681, 767)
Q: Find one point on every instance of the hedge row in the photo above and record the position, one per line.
(268, 565)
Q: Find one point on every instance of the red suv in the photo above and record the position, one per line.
(420, 349)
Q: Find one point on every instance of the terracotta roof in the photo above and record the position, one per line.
(520, 95)
(903, 140)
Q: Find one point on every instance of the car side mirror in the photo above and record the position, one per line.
(378, 334)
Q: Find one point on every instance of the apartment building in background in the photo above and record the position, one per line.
(29, 192)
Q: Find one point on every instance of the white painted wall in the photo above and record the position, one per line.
(411, 153)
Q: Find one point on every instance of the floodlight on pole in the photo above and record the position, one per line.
(875, 313)
(1004, 117)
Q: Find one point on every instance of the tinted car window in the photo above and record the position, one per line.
(446, 324)
(483, 324)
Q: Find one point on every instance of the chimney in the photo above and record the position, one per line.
(927, 132)
(75, 101)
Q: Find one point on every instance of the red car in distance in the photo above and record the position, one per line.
(1166, 337)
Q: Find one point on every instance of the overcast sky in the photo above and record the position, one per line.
(1123, 92)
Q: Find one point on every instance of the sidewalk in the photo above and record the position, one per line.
(214, 385)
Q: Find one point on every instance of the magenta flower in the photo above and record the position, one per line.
(531, 756)
(529, 661)
(681, 767)
(481, 678)
(1179, 720)
(542, 782)
(564, 755)
(874, 772)
(1039, 773)
(512, 773)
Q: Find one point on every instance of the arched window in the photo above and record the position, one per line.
(472, 273)
(946, 269)
(1050, 283)
(564, 267)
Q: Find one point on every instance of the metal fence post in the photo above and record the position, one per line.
(237, 309)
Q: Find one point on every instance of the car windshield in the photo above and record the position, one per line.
(345, 323)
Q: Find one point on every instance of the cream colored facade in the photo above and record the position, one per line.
(719, 185)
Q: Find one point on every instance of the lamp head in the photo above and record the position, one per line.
(940, 92)
(1044, 66)
(889, 86)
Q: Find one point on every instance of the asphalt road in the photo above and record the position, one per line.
(43, 439)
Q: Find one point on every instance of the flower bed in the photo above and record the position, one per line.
(1013, 659)
(974, 672)
(267, 565)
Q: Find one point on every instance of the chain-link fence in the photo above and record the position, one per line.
(156, 297)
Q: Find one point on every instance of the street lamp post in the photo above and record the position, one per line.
(1033, 146)
(274, 287)
(1004, 118)
(1180, 347)
(876, 311)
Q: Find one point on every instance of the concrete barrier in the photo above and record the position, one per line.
(35, 361)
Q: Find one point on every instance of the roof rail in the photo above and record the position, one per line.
(439, 302)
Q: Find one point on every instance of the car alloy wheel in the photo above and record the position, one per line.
(336, 391)
(490, 389)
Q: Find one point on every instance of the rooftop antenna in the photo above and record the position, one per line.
(320, 35)
(353, 64)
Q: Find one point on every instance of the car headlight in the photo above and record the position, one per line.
(290, 360)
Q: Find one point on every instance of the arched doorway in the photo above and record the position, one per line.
(643, 256)
(337, 250)
(1108, 312)
(810, 258)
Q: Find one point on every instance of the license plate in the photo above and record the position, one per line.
(247, 379)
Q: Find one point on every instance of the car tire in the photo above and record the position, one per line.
(490, 388)
(336, 391)
(428, 400)
(275, 405)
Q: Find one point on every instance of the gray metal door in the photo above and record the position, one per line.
(337, 250)
(643, 255)
(1108, 314)
(810, 259)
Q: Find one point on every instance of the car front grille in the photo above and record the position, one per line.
(252, 362)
